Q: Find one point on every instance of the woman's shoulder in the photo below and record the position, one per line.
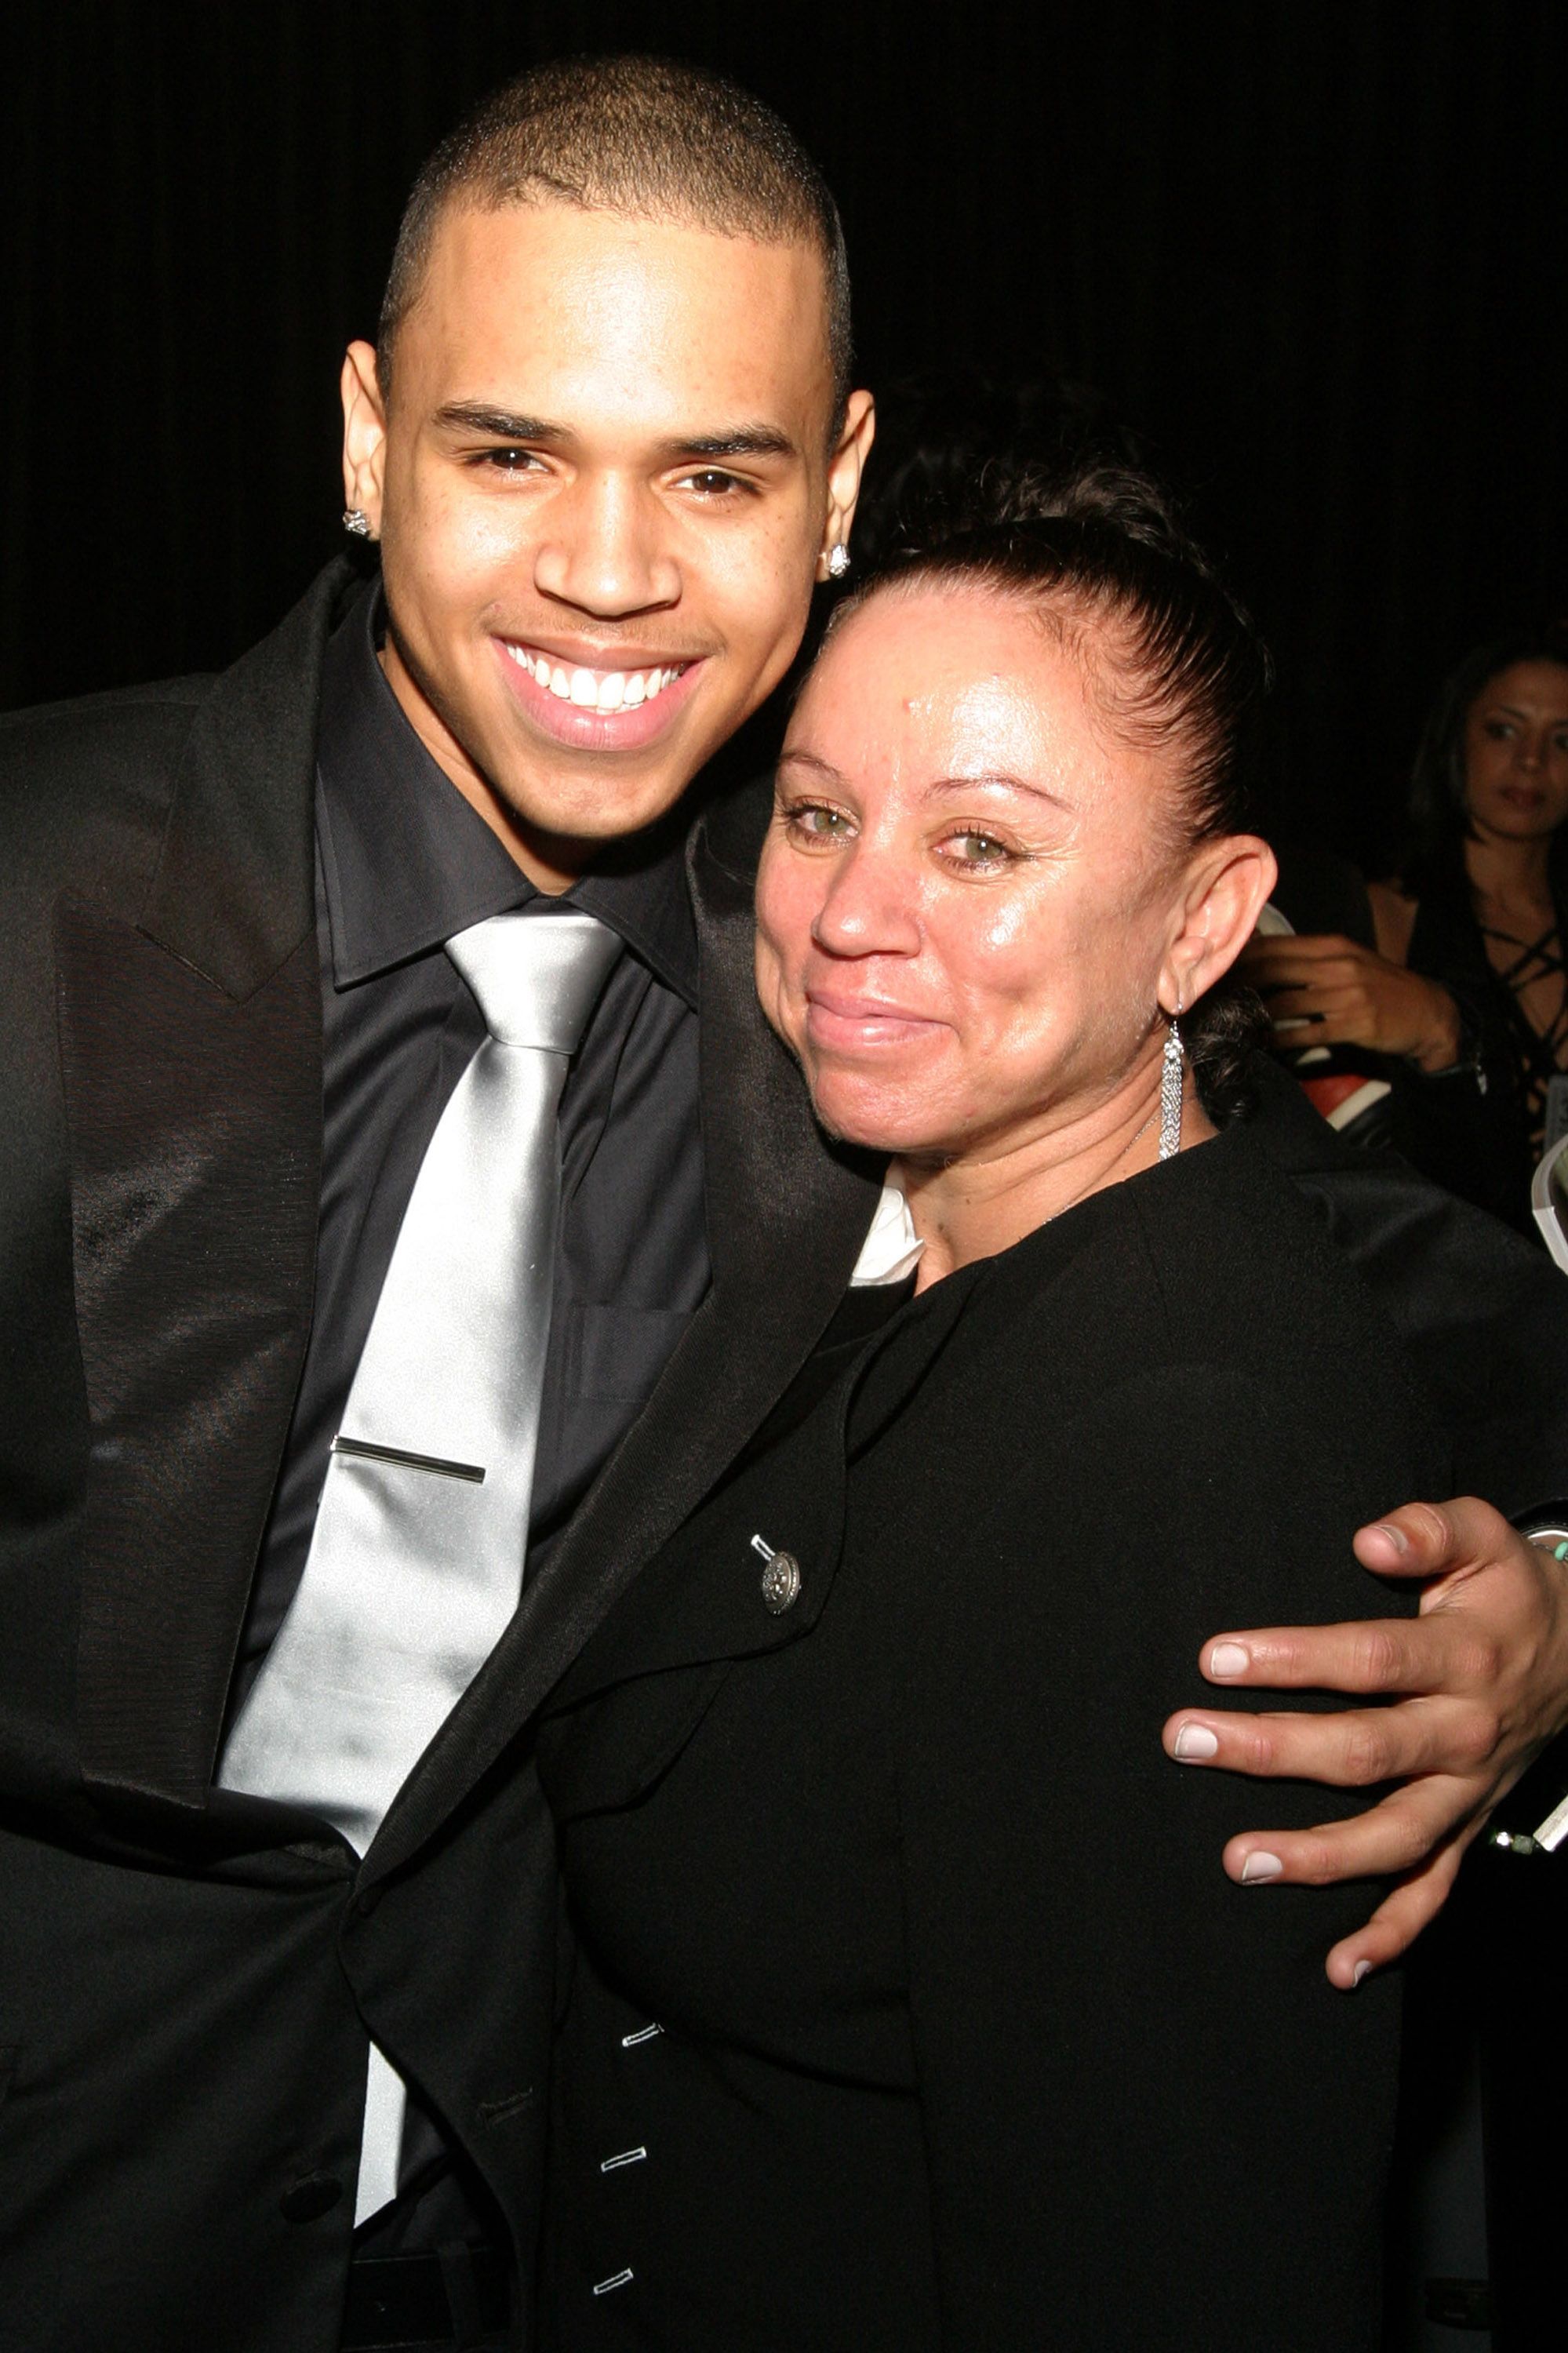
(1216, 1257)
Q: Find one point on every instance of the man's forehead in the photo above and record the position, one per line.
(569, 297)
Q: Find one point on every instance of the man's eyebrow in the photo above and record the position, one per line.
(746, 441)
(505, 424)
(474, 416)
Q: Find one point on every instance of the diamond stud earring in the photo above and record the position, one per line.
(356, 522)
(838, 561)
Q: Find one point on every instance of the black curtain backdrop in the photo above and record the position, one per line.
(1314, 250)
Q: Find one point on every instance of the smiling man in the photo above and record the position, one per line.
(380, 1226)
(606, 454)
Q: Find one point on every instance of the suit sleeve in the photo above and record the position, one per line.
(1150, 2119)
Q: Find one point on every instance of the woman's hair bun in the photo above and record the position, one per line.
(1001, 494)
(1120, 497)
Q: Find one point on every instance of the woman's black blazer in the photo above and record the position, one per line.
(910, 2006)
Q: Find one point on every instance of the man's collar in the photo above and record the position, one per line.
(409, 863)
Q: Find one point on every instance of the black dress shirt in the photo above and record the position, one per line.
(403, 863)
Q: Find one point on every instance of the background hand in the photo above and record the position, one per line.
(1349, 997)
(1484, 1671)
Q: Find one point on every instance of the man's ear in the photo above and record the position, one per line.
(363, 434)
(845, 468)
(1228, 883)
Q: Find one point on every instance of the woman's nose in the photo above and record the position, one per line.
(603, 551)
(870, 907)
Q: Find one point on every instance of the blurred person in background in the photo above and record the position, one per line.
(1464, 988)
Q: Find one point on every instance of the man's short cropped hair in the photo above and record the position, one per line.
(640, 136)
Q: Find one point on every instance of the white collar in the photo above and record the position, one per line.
(892, 1249)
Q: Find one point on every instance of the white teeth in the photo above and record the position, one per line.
(588, 690)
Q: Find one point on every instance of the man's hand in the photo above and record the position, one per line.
(1484, 1669)
(1330, 991)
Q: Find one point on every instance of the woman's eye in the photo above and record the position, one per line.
(977, 852)
(809, 821)
(1499, 730)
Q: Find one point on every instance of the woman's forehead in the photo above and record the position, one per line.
(1535, 687)
(953, 680)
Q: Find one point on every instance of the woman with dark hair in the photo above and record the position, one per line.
(907, 2008)
(1466, 986)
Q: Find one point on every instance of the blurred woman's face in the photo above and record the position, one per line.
(970, 884)
(1516, 751)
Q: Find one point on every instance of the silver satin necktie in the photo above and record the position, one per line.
(416, 1564)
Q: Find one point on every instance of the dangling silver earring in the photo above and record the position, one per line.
(356, 522)
(1172, 1074)
(838, 561)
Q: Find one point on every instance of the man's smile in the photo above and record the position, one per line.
(609, 705)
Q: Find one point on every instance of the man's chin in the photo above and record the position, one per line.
(556, 821)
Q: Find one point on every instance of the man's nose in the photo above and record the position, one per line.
(604, 550)
(871, 907)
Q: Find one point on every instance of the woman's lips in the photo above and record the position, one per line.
(850, 1023)
(607, 722)
(1524, 797)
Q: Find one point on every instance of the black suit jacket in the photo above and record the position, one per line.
(967, 2041)
(188, 1979)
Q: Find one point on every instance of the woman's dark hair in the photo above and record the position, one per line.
(1438, 817)
(1102, 541)
(938, 427)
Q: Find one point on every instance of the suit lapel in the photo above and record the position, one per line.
(786, 1219)
(190, 1044)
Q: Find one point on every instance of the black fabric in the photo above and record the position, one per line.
(967, 2041)
(189, 1978)
(1483, 1311)
(227, 1960)
(403, 864)
(459, 2297)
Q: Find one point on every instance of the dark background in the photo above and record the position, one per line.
(1314, 250)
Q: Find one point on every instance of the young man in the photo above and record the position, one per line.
(317, 974)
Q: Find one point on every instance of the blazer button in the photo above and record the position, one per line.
(311, 2196)
(780, 1584)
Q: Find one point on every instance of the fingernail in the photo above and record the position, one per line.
(1396, 1536)
(1364, 1970)
(1196, 1740)
(1228, 1658)
(1260, 1866)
